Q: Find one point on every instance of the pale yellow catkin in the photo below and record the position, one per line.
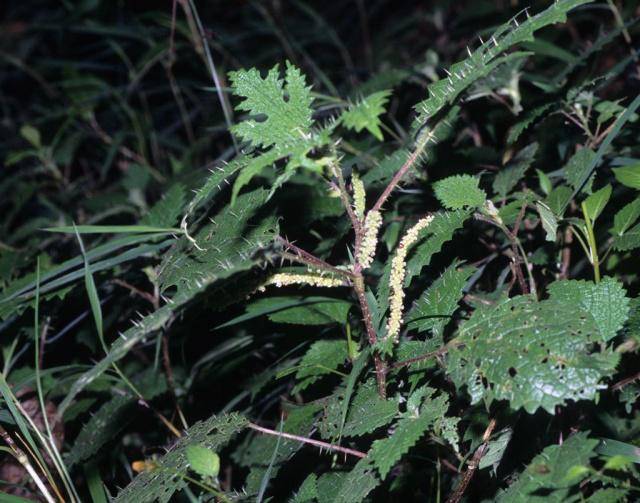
(396, 279)
(286, 279)
(359, 196)
(372, 224)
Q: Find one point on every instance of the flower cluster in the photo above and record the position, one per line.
(286, 279)
(358, 195)
(370, 239)
(396, 280)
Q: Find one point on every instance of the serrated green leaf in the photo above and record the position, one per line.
(322, 358)
(460, 191)
(606, 301)
(628, 175)
(558, 199)
(533, 354)
(549, 221)
(203, 461)
(626, 217)
(368, 411)
(165, 212)
(495, 450)
(281, 111)
(308, 490)
(166, 478)
(579, 167)
(108, 420)
(365, 114)
(545, 478)
(595, 203)
(482, 61)
(529, 118)
(357, 483)
(629, 240)
(385, 453)
(433, 310)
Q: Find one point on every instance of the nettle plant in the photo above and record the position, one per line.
(412, 368)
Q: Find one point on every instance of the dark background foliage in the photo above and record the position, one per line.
(125, 105)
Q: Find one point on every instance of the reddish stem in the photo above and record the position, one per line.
(305, 440)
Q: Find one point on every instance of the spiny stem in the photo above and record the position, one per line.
(306, 440)
(397, 177)
(439, 352)
(304, 257)
(473, 465)
(381, 368)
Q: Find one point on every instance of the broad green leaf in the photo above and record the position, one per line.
(533, 354)
(365, 114)
(606, 302)
(321, 310)
(629, 240)
(368, 411)
(32, 135)
(319, 313)
(308, 490)
(610, 447)
(595, 203)
(628, 175)
(495, 450)
(579, 167)
(549, 221)
(545, 182)
(203, 461)
(545, 478)
(626, 217)
(460, 191)
(166, 478)
(434, 308)
(558, 199)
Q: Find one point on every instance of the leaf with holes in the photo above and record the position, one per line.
(606, 302)
(533, 354)
(280, 111)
